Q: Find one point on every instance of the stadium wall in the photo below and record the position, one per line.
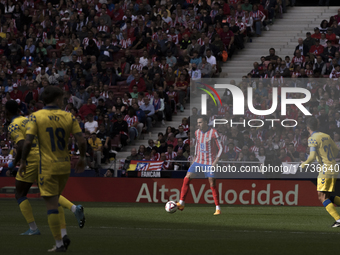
(152, 190)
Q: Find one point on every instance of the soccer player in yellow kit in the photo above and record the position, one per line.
(323, 148)
(17, 131)
(53, 127)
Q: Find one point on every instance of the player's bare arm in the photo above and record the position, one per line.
(20, 146)
(25, 151)
(311, 158)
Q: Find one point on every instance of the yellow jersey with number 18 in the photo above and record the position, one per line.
(326, 152)
(17, 130)
(53, 128)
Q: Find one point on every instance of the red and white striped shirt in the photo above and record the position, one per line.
(279, 80)
(255, 149)
(126, 43)
(223, 109)
(86, 41)
(308, 72)
(258, 15)
(173, 38)
(236, 149)
(298, 61)
(130, 120)
(105, 94)
(208, 146)
(334, 74)
(156, 157)
(200, 41)
(103, 29)
(170, 156)
(139, 67)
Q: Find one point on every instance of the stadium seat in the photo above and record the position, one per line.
(123, 88)
(118, 94)
(134, 52)
(113, 89)
(121, 83)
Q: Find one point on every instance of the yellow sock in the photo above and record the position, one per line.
(26, 209)
(62, 217)
(331, 209)
(54, 223)
(65, 202)
(335, 200)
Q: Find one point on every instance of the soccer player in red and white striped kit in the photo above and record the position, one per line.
(208, 149)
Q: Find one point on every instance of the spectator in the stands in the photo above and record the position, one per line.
(317, 34)
(181, 133)
(316, 49)
(172, 140)
(182, 161)
(149, 111)
(31, 94)
(91, 125)
(97, 147)
(304, 49)
(205, 68)
(88, 108)
(120, 130)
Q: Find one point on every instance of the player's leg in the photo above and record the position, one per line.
(185, 186)
(66, 240)
(212, 182)
(78, 210)
(51, 186)
(22, 189)
(335, 200)
(54, 220)
(184, 191)
(325, 187)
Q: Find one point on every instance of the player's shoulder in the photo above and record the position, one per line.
(16, 123)
(214, 132)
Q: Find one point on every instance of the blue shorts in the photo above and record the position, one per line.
(201, 168)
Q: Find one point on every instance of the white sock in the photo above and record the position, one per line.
(73, 208)
(59, 243)
(338, 220)
(218, 207)
(63, 232)
(181, 202)
(33, 225)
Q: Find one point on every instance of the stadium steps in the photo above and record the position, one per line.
(282, 36)
(176, 121)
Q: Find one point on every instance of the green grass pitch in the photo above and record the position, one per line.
(121, 228)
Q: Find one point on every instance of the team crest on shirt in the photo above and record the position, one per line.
(12, 128)
(32, 118)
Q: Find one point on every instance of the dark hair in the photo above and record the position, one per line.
(205, 118)
(51, 93)
(12, 107)
(312, 123)
(170, 145)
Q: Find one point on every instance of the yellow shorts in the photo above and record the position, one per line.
(31, 174)
(326, 184)
(52, 185)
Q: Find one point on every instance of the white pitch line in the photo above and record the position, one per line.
(212, 230)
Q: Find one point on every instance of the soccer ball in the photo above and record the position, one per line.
(171, 207)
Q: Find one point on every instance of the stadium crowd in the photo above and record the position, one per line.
(125, 66)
